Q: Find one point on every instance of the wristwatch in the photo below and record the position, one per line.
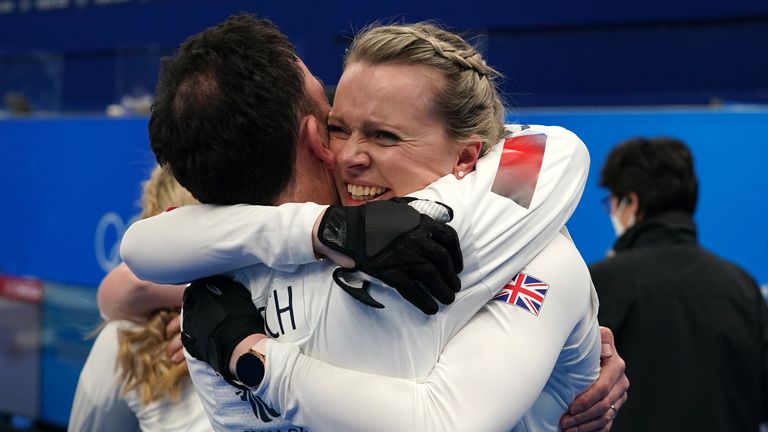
(250, 367)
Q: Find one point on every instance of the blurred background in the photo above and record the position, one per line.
(76, 83)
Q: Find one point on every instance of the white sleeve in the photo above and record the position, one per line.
(201, 240)
(515, 202)
(520, 195)
(487, 377)
(98, 405)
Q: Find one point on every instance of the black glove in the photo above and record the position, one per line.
(218, 313)
(401, 247)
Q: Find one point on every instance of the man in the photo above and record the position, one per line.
(665, 297)
(201, 101)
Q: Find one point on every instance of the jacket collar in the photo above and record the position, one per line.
(665, 228)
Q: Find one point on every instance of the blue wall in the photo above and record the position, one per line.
(557, 52)
(68, 181)
(72, 185)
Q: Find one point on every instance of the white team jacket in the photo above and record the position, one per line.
(99, 404)
(506, 212)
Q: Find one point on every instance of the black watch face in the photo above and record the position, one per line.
(250, 370)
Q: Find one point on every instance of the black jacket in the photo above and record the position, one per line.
(692, 328)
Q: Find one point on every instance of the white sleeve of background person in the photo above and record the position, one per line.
(98, 405)
(495, 373)
(201, 240)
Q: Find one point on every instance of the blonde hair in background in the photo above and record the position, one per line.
(162, 191)
(467, 101)
(143, 363)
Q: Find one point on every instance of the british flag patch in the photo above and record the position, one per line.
(524, 291)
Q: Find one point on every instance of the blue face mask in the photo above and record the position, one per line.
(618, 227)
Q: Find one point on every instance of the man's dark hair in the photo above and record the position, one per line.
(659, 170)
(226, 114)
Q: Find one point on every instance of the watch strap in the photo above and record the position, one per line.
(250, 368)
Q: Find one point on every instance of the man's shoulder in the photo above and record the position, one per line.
(607, 266)
(719, 261)
(258, 276)
(719, 265)
(615, 276)
(630, 260)
(663, 265)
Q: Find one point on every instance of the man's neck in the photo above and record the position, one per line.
(314, 186)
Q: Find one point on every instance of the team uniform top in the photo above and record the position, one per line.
(502, 227)
(507, 367)
(99, 404)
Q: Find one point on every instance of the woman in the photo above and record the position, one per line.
(150, 391)
(361, 170)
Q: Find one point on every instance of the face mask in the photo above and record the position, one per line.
(618, 227)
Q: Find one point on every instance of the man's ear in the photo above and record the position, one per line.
(467, 157)
(633, 205)
(315, 136)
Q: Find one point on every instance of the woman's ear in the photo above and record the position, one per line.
(316, 137)
(467, 157)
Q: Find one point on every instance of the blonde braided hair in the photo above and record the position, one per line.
(161, 191)
(467, 100)
(142, 360)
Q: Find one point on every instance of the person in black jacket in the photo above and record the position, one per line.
(692, 327)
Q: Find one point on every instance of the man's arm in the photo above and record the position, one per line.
(595, 409)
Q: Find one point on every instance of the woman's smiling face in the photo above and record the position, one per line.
(386, 135)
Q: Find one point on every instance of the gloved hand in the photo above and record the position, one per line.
(218, 313)
(395, 243)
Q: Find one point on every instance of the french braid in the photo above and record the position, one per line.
(467, 99)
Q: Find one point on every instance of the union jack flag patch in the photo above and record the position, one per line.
(524, 291)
